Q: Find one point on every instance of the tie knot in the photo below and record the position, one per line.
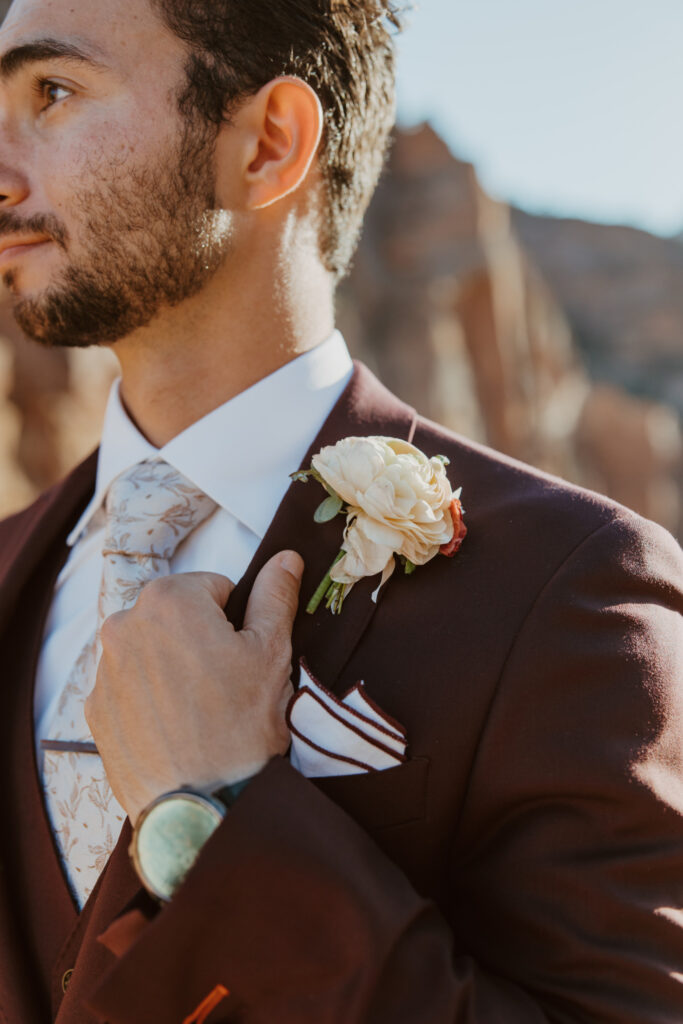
(151, 509)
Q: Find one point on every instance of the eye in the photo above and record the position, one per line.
(50, 92)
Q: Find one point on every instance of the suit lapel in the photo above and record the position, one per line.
(45, 523)
(34, 541)
(364, 408)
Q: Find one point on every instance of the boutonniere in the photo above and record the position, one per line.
(398, 504)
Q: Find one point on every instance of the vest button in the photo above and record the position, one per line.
(66, 978)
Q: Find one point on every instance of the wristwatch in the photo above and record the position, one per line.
(171, 831)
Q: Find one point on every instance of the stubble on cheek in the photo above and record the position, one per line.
(145, 233)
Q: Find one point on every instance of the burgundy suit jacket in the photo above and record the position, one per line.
(524, 866)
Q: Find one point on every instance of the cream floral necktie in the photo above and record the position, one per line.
(151, 509)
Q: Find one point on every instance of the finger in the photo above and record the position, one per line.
(274, 597)
(218, 587)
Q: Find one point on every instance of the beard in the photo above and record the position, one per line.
(153, 237)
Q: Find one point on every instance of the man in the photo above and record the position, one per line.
(184, 181)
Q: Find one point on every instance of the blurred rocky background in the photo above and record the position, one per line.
(558, 342)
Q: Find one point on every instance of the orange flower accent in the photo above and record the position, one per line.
(216, 996)
(459, 530)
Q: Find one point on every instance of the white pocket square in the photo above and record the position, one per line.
(340, 736)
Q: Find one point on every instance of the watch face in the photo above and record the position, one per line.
(169, 837)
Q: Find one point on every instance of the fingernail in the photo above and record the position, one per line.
(293, 564)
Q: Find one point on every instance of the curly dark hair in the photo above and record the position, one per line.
(342, 48)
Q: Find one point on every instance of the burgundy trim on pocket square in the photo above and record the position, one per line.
(359, 699)
(333, 736)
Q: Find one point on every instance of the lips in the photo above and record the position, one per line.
(13, 248)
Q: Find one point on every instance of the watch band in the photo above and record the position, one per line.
(228, 794)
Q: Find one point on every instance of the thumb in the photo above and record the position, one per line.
(274, 597)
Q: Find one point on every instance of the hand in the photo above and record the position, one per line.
(181, 698)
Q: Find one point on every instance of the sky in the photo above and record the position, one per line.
(566, 107)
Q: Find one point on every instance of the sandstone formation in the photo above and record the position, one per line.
(465, 322)
(622, 291)
(51, 407)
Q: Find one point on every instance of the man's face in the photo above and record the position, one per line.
(100, 171)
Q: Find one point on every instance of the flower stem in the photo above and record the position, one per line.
(322, 589)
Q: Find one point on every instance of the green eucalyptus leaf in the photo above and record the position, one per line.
(328, 509)
(409, 567)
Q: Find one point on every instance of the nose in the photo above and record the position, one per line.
(13, 187)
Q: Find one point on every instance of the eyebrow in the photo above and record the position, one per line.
(36, 50)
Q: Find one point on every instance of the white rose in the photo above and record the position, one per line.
(399, 503)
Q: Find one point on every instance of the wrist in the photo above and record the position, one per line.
(171, 831)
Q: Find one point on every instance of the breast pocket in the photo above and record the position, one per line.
(382, 799)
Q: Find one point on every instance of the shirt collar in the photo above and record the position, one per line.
(242, 453)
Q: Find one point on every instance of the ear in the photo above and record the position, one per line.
(283, 124)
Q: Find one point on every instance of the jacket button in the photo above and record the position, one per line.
(66, 978)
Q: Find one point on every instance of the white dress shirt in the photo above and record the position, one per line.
(240, 455)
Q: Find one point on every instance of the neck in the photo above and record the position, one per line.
(194, 357)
